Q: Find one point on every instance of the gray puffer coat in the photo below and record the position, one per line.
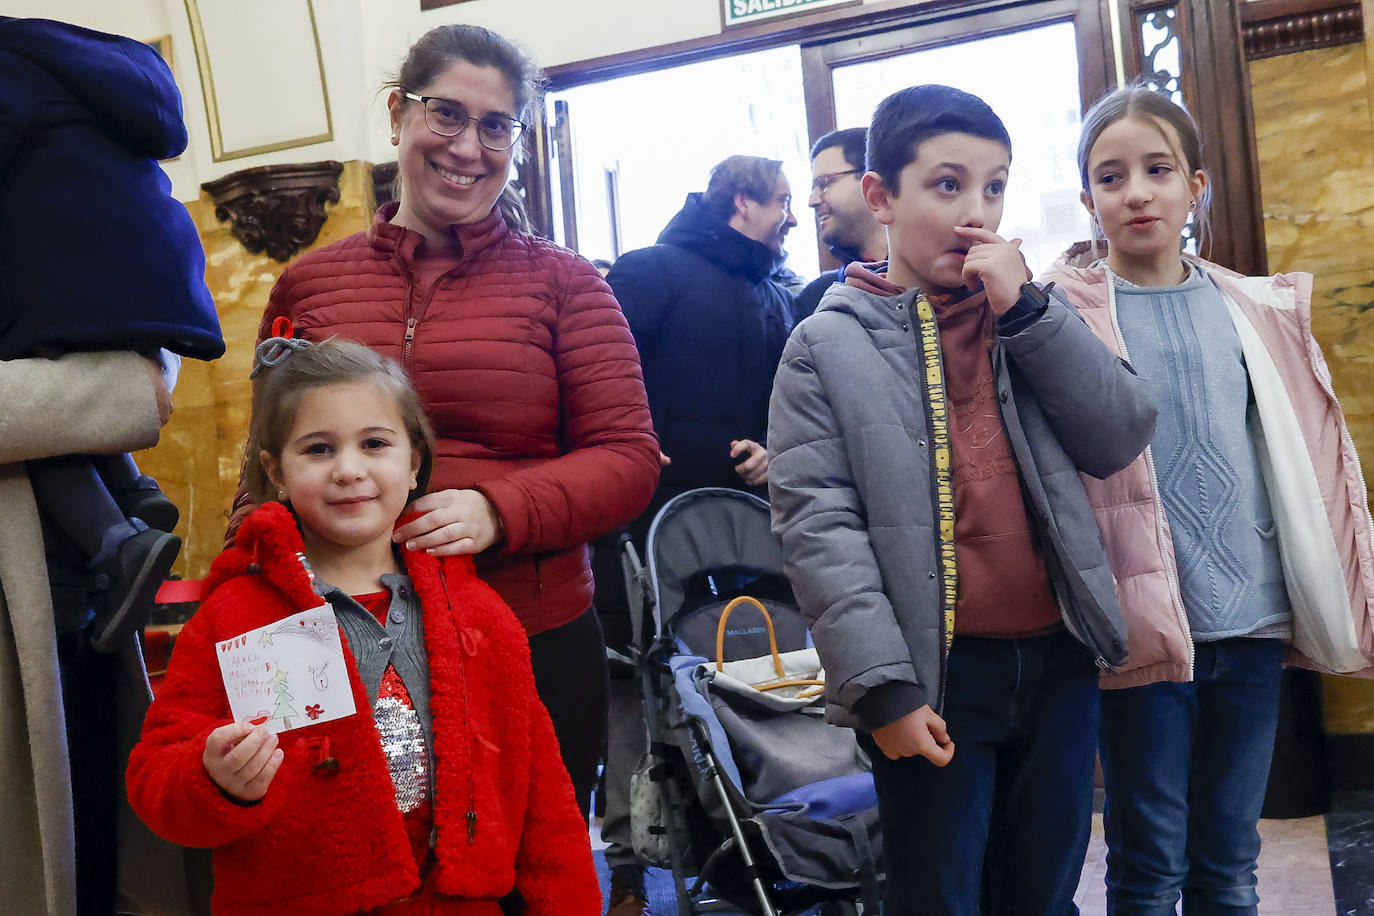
(853, 425)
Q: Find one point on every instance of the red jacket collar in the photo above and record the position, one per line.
(386, 236)
(270, 540)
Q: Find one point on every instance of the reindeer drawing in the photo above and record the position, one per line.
(320, 675)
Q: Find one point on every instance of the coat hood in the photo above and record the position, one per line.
(123, 84)
(695, 228)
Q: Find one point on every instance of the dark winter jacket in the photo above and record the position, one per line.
(95, 254)
(710, 326)
(330, 839)
(529, 375)
(810, 296)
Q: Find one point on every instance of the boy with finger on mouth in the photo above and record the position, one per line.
(927, 429)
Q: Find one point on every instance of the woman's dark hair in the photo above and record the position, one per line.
(909, 117)
(441, 46)
(1151, 106)
(278, 390)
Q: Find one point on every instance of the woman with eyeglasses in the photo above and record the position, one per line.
(520, 354)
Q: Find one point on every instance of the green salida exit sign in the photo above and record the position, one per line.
(739, 12)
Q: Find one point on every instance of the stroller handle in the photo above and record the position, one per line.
(772, 649)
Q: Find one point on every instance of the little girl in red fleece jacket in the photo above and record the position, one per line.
(445, 791)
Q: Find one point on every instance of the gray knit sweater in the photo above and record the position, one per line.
(1182, 342)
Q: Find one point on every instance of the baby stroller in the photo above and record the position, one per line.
(745, 787)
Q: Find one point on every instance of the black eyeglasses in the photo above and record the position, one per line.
(447, 118)
(821, 183)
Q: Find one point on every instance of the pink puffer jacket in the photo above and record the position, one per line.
(1313, 476)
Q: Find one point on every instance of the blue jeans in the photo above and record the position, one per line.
(1185, 768)
(1003, 828)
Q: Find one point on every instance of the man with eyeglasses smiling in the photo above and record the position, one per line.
(843, 220)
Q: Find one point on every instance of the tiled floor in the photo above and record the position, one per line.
(1294, 871)
(1295, 868)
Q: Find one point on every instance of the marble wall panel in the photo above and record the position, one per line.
(197, 462)
(1314, 134)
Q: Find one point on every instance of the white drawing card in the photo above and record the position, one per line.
(288, 674)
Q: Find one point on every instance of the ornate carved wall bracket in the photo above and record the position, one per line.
(278, 209)
(384, 182)
(1273, 27)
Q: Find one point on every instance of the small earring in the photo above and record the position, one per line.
(281, 494)
(414, 481)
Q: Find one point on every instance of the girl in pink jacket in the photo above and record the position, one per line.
(1244, 527)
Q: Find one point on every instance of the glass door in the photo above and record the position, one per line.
(635, 146)
(1038, 71)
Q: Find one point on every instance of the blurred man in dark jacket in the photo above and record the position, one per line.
(710, 324)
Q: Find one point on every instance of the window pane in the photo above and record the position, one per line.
(664, 130)
(1030, 78)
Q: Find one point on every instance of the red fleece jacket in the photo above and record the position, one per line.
(330, 839)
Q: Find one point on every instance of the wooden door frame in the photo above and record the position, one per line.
(1216, 87)
(946, 18)
(820, 58)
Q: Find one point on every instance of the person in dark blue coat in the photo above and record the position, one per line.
(95, 254)
(710, 322)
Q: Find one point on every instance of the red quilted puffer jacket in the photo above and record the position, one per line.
(529, 374)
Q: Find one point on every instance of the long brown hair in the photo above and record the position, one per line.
(1139, 101)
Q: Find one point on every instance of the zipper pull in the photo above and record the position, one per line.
(410, 329)
(472, 826)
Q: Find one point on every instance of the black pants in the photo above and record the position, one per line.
(569, 664)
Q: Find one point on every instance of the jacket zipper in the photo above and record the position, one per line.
(415, 315)
(927, 338)
(1167, 555)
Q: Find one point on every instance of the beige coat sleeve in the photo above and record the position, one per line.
(82, 403)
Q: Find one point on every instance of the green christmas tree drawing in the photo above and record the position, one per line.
(283, 708)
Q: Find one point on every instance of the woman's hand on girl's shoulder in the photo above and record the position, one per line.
(451, 522)
(242, 759)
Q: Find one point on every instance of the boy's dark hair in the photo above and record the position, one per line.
(909, 117)
(753, 176)
(853, 144)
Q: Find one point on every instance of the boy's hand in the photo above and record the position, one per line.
(753, 469)
(917, 734)
(995, 265)
(242, 759)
